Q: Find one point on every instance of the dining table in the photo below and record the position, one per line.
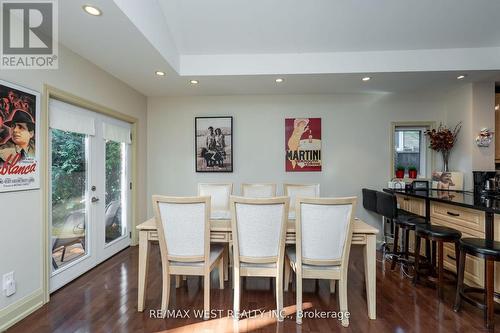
(220, 232)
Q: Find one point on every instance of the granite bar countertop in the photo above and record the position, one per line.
(459, 198)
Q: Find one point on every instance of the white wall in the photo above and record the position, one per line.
(483, 110)
(21, 212)
(458, 105)
(355, 129)
(473, 104)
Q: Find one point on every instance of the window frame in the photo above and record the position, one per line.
(426, 153)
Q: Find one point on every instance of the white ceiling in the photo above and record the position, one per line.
(320, 46)
(301, 26)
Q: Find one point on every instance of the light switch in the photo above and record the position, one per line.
(9, 284)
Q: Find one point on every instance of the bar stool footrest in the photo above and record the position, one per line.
(477, 303)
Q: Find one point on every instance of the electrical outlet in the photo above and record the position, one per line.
(9, 284)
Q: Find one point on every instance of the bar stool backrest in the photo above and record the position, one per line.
(387, 205)
(370, 200)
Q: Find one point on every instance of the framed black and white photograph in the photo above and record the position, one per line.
(214, 144)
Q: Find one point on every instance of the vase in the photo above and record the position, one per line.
(446, 157)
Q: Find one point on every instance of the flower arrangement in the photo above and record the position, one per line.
(442, 140)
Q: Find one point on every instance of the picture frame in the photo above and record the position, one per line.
(303, 145)
(20, 153)
(453, 181)
(213, 137)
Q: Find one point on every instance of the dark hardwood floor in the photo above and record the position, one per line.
(105, 300)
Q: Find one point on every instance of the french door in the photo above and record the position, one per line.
(90, 190)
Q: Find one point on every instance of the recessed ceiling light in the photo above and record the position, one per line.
(366, 78)
(279, 80)
(160, 73)
(194, 82)
(460, 77)
(94, 11)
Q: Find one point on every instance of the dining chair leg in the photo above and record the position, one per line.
(225, 256)
(165, 293)
(221, 272)
(236, 293)
(287, 273)
(332, 286)
(206, 295)
(298, 292)
(279, 293)
(177, 281)
(230, 254)
(343, 300)
(460, 281)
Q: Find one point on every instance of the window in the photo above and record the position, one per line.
(410, 148)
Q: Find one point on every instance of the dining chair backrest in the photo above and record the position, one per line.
(370, 200)
(258, 190)
(219, 194)
(299, 190)
(324, 229)
(259, 228)
(183, 227)
(387, 205)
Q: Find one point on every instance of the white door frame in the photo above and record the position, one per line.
(50, 92)
(96, 248)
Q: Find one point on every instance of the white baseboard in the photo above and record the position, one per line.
(20, 309)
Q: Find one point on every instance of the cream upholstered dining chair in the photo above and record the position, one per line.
(299, 190)
(259, 227)
(323, 241)
(258, 190)
(184, 237)
(219, 194)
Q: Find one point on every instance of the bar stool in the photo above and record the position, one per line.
(370, 204)
(440, 235)
(490, 252)
(406, 221)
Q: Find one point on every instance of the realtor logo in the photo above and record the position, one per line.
(29, 35)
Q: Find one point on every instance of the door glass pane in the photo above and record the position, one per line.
(115, 221)
(69, 184)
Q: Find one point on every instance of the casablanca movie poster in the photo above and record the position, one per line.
(303, 144)
(19, 138)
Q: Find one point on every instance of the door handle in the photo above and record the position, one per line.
(94, 199)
